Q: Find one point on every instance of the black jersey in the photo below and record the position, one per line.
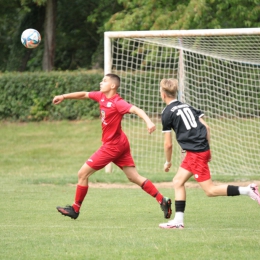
(191, 134)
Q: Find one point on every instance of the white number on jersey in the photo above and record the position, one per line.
(187, 118)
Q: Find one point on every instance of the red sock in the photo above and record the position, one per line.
(81, 192)
(148, 187)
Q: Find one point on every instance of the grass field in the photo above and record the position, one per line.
(38, 169)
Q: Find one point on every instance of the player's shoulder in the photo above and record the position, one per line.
(96, 95)
(173, 106)
(117, 99)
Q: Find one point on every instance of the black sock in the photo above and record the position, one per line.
(232, 190)
(180, 205)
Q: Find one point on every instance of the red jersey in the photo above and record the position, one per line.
(112, 111)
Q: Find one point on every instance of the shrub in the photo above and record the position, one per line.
(28, 96)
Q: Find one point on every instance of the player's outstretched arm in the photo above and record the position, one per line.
(75, 95)
(144, 116)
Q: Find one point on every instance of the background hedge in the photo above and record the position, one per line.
(28, 96)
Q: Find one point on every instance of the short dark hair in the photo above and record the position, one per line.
(115, 78)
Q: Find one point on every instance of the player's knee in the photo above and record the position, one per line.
(177, 183)
(133, 178)
(130, 178)
(136, 178)
(82, 175)
(210, 193)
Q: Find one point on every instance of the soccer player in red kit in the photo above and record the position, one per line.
(115, 146)
(193, 135)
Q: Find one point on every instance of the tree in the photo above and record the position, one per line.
(80, 32)
(187, 14)
(9, 18)
(49, 30)
(18, 57)
(49, 35)
(72, 32)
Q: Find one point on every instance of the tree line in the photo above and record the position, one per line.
(73, 31)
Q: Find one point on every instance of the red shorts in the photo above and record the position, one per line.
(119, 154)
(197, 164)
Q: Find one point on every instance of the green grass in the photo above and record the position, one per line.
(38, 170)
(123, 224)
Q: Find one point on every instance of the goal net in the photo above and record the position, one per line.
(218, 73)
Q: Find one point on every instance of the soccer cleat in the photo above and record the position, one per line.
(166, 207)
(68, 211)
(172, 224)
(254, 193)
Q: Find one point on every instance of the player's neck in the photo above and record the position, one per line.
(169, 100)
(110, 94)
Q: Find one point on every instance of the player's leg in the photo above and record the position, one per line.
(201, 173)
(82, 186)
(200, 169)
(133, 176)
(126, 163)
(213, 190)
(97, 161)
(179, 180)
(81, 192)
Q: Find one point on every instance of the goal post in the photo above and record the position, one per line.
(218, 72)
(107, 69)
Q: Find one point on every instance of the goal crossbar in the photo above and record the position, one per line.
(179, 33)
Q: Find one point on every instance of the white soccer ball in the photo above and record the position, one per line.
(30, 38)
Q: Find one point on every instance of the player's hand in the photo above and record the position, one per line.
(57, 99)
(151, 127)
(167, 166)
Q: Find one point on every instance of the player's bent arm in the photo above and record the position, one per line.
(74, 95)
(168, 146)
(167, 150)
(207, 127)
(138, 111)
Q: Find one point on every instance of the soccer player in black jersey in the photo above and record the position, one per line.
(193, 135)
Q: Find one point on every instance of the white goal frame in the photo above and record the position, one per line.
(109, 36)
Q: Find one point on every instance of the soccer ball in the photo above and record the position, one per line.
(30, 38)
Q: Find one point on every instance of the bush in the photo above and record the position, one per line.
(28, 96)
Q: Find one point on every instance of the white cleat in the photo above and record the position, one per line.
(172, 224)
(254, 193)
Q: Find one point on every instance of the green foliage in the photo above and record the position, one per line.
(28, 96)
(189, 14)
(21, 58)
(80, 41)
(38, 2)
(79, 33)
(81, 24)
(9, 18)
